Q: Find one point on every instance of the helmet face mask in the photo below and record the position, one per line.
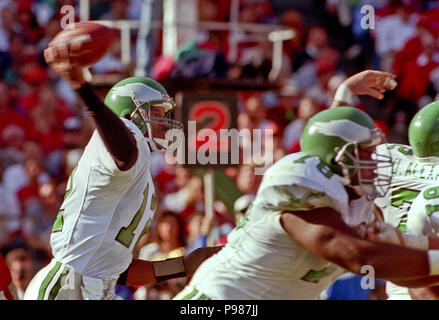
(359, 162)
(143, 119)
(344, 138)
(134, 98)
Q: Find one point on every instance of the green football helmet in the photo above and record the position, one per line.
(336, 137)
(424, 131)
(132, 98)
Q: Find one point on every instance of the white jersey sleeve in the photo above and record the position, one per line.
(423, 217)
(409, 176)
(301, 182)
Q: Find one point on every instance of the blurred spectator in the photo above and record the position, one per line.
(326, 68)
(147, 36)
(255, 62)
(19, 259)
(118, 10)
(171, 238)
(111, 62)
(414, 63)
(28, 194)
(171, 243)
(14, 138)
(199, 227)
(247, 181)
(293, 132)
(9, 115)
(37, 225)
(47, 118)
(15, 176)
(392, 32)
(315, 59)
(188, 198)
(316, 40)
(10, 221)
(8, 25)
(293, 19)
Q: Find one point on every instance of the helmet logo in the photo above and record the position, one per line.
(142, 92)
(347, 130)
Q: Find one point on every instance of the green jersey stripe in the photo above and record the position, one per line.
(190, 295)
(203, 297)
(47, 280)
(54, 292)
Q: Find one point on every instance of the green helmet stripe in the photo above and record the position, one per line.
(331, 129)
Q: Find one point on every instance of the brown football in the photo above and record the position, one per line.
(88, 42)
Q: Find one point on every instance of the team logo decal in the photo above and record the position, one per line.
(345, 129)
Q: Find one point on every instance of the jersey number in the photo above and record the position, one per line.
(431, 193)
(126, 234)
(399, 197)
(59, 221)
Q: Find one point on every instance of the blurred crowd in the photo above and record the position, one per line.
(43, 129)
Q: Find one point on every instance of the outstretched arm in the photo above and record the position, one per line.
(117, 138)
(369, 82)
(323, 232)
(429, 293)
(142, 272)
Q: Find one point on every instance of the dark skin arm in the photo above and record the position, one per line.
(431, 293)
(117, 138)
(140, 272)
(323, 232)
(433, 243)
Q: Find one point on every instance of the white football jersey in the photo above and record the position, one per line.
(409, 175)
(105, 211)
(423, 217)
(261, 260)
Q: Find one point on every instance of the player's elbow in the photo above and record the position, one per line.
(127, 160)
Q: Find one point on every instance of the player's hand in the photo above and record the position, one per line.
(383, 232)
(58, 57)
(196, 257)
(371, 82)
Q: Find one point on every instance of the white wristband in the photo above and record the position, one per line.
(416, 242)
(344, 94)
(433, 261)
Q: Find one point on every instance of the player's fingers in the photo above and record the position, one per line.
(380, 74)
(48, 55)
(379, 86)
(390, 84)
(373, 93)
(63, 52)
